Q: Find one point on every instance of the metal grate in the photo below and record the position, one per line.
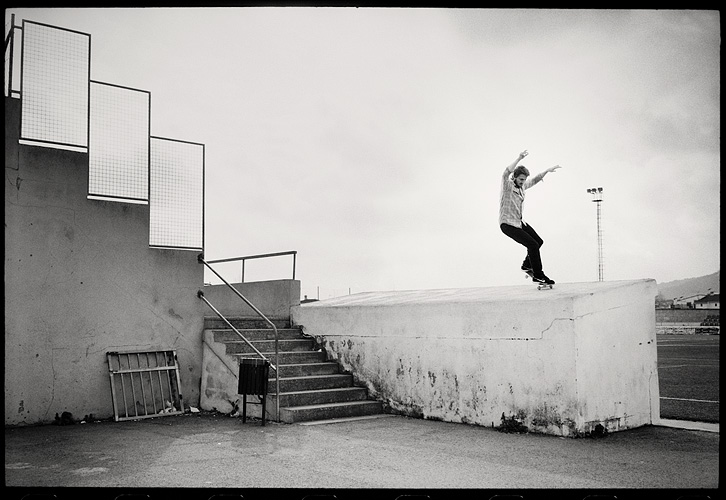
(176, 194)
(118, 153)
(54, 85)
(144, 384)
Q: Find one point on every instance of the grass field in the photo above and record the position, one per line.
(688, 369)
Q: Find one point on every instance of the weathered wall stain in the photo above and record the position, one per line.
(174, 315)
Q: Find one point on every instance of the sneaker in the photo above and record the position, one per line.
(543, 279)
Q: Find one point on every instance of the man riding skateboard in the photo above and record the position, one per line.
(514, 183)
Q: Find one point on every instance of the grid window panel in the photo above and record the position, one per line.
(176, 194)
(54, 82)
(118, 153)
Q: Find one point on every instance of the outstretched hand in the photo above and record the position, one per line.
(552, 169)
(523, 154)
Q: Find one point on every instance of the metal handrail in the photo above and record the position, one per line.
(259, 256)
(200, 294)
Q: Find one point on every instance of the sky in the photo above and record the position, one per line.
(372, 140)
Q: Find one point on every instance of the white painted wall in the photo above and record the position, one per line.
(273, 298)
(561, 361)
(81, 280)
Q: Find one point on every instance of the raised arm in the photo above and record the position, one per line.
(508, 171)
(534, 180)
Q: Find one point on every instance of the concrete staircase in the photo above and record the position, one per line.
(311, 388)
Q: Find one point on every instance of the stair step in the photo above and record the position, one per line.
(322, 396)
(244, 322)
(293, 384)
(289, 357)
(329, 410)
(240, 346)
(254, 334)
(306, 369)
(311, 387)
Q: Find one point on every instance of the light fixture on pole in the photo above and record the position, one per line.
(597, 198)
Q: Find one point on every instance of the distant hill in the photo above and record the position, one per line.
(691, 286)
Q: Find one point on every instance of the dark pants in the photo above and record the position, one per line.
(527, 236)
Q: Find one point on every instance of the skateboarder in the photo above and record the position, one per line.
(514, 183)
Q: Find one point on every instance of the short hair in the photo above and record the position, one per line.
(519, 171)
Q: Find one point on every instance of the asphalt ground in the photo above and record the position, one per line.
(688, 377)
(211, 455)
(205, 455)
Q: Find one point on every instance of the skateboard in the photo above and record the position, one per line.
(540, 286)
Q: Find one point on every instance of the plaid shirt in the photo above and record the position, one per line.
(511, 198)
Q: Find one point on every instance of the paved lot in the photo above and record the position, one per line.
(200, 455)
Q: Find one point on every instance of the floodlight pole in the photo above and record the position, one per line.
(597, 198)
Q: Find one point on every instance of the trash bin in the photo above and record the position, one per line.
(253, 376)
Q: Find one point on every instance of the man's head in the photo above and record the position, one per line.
(520, 175)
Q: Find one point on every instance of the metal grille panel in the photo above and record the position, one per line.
(118, 153)
(144, 384)
(54, 85)
(176, 194)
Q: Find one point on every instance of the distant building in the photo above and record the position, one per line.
(661, 303)
(687, 302)
(708, 302)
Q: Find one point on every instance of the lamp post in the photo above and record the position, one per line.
(597, 198)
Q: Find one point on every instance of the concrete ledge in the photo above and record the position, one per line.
(688, 425)
(559, 361)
